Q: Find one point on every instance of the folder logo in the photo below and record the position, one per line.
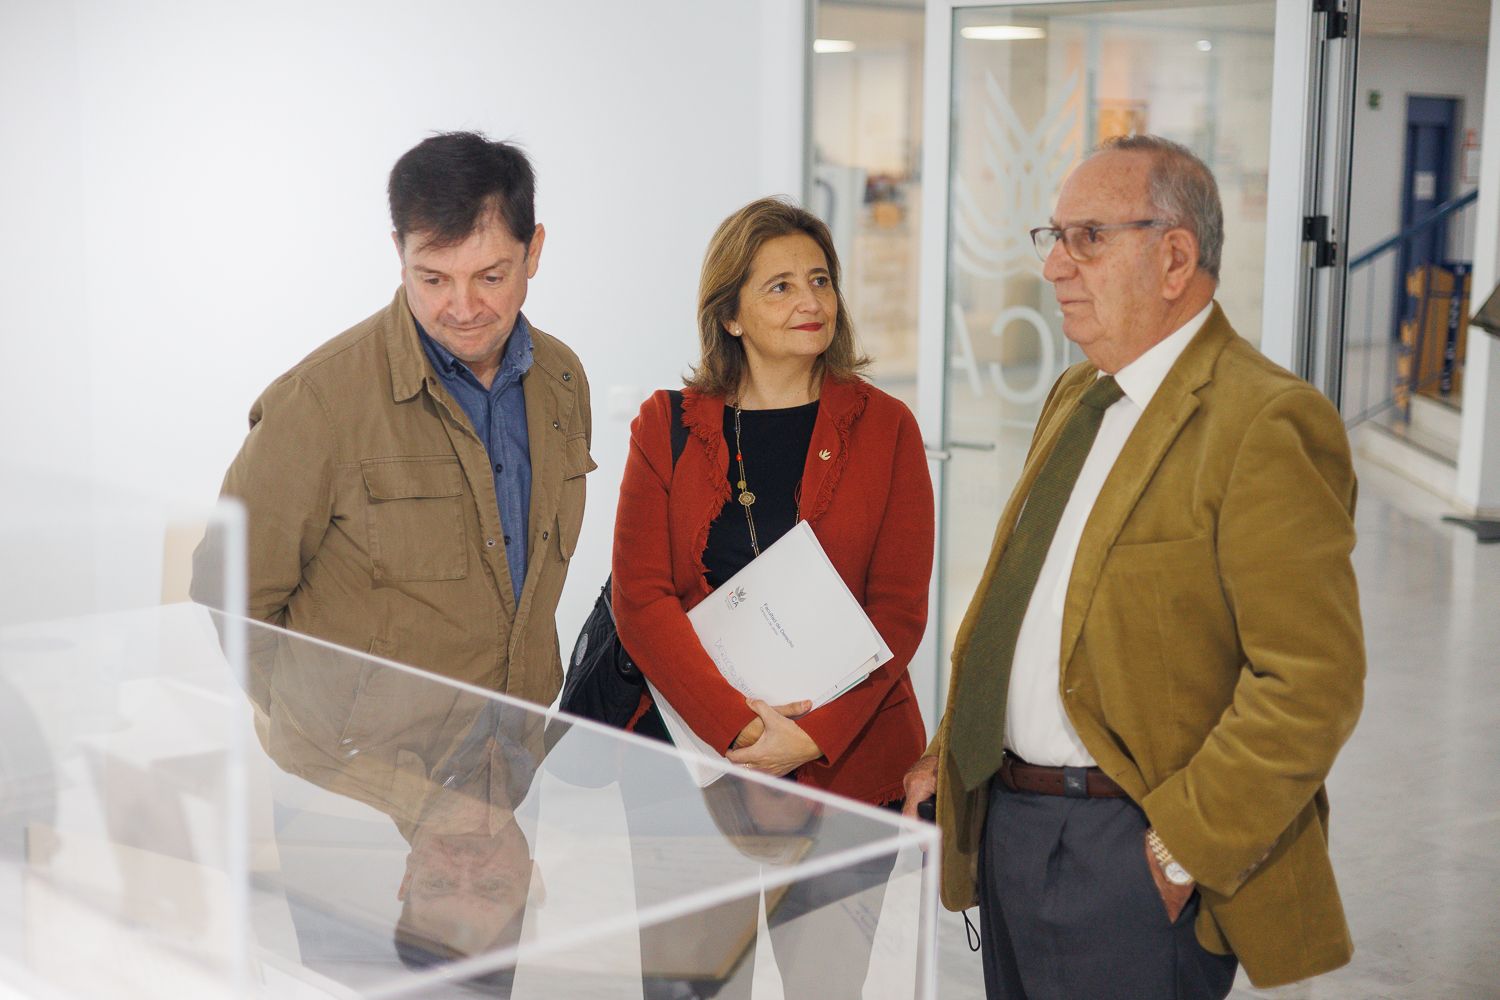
(735, 598)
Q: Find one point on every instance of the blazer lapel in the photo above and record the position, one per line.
(1052, 420)
(840, 405)
(1046, 440)
(1168, 412)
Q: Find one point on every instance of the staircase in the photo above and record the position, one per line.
(1402, 393)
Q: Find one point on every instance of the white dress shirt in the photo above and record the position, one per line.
(1037, 728)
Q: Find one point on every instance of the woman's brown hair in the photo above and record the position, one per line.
(726, 268)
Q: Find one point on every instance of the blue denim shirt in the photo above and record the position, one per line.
(498, 416)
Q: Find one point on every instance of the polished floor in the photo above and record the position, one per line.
(1416, 792)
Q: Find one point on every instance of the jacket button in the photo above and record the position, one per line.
(546, 535)
(556, 425)
(489, 543)
(567, 376)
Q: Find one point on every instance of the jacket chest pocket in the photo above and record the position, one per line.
(415, 518)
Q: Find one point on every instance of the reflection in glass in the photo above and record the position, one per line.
(337, 825)
(866, 133)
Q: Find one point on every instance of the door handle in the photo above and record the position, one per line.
(936, 454)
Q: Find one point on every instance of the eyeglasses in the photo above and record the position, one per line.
(1085, 242)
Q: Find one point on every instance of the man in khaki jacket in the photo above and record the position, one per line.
(1165, 652)
(414, 488)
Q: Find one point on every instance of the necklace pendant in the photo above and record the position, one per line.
(747, 498)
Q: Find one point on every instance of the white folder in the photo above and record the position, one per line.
(783, 629)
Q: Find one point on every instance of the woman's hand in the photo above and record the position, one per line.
(752, 731)
(782, 746)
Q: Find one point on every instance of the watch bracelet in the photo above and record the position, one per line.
(1158, 848)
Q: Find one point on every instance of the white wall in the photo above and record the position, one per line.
(192, 198)
(1399, 68)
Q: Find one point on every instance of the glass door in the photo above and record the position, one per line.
(1017, 94)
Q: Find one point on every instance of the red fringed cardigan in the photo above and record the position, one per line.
(870, 503)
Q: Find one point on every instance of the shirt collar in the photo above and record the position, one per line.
(1142, 377)
(514, 362)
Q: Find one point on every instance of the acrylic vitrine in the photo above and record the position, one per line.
(198, 805)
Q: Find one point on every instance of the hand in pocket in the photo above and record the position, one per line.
(1173, 897)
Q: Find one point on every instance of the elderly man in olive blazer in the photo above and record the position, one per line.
(1165, 652)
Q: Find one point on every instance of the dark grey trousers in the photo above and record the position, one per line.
(1069, 911)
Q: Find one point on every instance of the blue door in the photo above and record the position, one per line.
(1427, 182)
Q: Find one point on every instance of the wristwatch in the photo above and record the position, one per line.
(1175, 873)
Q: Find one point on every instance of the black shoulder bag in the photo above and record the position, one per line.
(603, 683)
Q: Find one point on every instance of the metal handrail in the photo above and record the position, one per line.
(1437, 215)
(1365, 264)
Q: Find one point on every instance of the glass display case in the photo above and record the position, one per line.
(197, 805)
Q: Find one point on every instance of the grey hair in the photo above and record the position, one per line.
(1182, 189)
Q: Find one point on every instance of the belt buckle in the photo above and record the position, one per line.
(1076, 782)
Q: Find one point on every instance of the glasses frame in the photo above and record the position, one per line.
(1060, 235)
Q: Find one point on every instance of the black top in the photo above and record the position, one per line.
(775, 444)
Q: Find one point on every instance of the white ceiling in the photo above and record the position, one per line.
(1465, 21)
(1460, 21)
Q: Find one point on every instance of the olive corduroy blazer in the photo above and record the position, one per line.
(1212, 652)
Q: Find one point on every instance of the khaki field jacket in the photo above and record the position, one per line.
(372, 517)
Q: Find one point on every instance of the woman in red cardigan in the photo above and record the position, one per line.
(780, 428)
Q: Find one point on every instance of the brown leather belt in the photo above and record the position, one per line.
(1074, 782)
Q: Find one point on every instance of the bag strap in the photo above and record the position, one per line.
(679, 430)
(679, 441)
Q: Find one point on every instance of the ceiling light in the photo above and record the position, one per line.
(1001, 33)
(1204, 45)
(825, 45)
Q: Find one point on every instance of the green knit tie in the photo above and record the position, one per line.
(977, 734)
